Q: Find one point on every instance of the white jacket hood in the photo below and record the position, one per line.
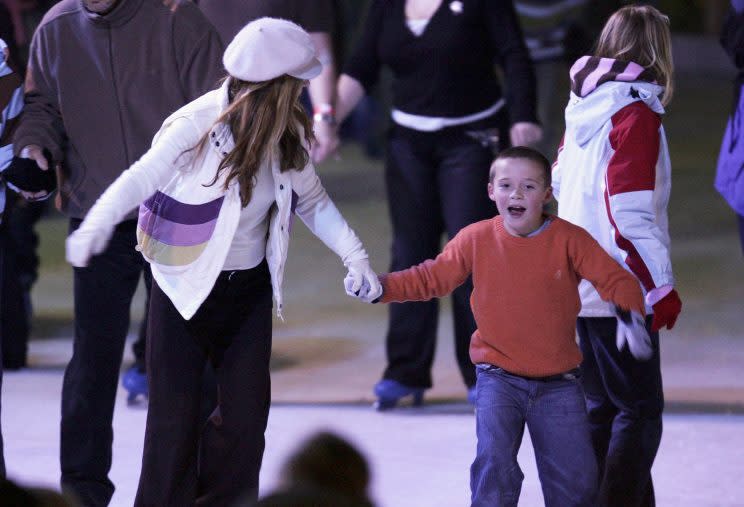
(600, 87)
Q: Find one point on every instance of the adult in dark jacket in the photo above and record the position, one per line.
(102, 76)
(448, 113)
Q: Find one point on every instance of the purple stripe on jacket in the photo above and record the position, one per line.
(172, 210)
(174, 234)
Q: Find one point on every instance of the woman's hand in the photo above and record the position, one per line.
(326, 141)
(84, 243)
(524, 133)
(361, 282)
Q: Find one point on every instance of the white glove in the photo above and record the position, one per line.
(84, 243)
(631, 329)
(361, 282)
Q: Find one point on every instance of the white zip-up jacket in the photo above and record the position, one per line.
(613, 178)
(186, 226)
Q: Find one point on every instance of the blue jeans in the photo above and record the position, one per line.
(555, 414)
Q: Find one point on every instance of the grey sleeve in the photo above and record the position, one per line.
(41, 121)
(315, 16)
(199, 51)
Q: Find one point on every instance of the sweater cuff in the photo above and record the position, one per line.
(384, 297)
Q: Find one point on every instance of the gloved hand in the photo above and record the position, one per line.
(361, 282)
(84, 243)
(666, 311)
(37, 154)
(631, 329)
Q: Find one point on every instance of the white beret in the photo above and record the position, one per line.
(268, 48)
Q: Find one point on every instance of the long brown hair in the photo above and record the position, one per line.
(640, 33)
(263, 116)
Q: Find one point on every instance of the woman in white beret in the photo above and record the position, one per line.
(218, 190)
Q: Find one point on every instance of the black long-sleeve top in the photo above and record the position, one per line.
(449, 70)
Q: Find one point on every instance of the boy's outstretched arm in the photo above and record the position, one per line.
(613, 283)
(431, 278)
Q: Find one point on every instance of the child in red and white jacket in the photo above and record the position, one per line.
(613, 178)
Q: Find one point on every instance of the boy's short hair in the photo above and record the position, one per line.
(526, 153)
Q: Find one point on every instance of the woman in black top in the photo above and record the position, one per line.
(448, 116)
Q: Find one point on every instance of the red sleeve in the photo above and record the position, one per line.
(635, 140)
(431, 278)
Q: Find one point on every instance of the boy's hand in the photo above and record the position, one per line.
(666, 311)
(631, 329)
(361, 282)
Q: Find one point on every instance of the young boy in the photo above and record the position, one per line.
(526, 267)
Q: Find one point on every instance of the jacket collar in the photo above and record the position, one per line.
(585, 116)
(120, 15)
(220, 137)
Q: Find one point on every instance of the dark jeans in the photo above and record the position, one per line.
(186, 462)
(436, 183)
(741, 231)
(624, 399)
(103, 294)
(2, 458)
(139, 346)
(553, 410)
(18, 268)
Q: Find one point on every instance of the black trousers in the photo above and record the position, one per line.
(436, 183)
(2, 456)
(103, 294)
(18, 269)
(624, 400)
(186, 462)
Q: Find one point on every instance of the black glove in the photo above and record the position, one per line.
(24, 175)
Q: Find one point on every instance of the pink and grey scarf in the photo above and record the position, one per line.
(591, 71)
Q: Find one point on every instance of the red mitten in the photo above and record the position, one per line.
(666, 311)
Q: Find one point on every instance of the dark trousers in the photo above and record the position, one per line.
(741, 231)
(2, 458)
(18, 269)
(103, 293)
(186, 462)
(139, 346)
(436, 183)
(624, 399)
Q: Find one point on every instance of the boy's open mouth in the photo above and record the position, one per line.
(516, 211)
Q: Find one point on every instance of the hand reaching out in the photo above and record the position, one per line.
(361, 282)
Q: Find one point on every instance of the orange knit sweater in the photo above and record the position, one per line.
(525, 298)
